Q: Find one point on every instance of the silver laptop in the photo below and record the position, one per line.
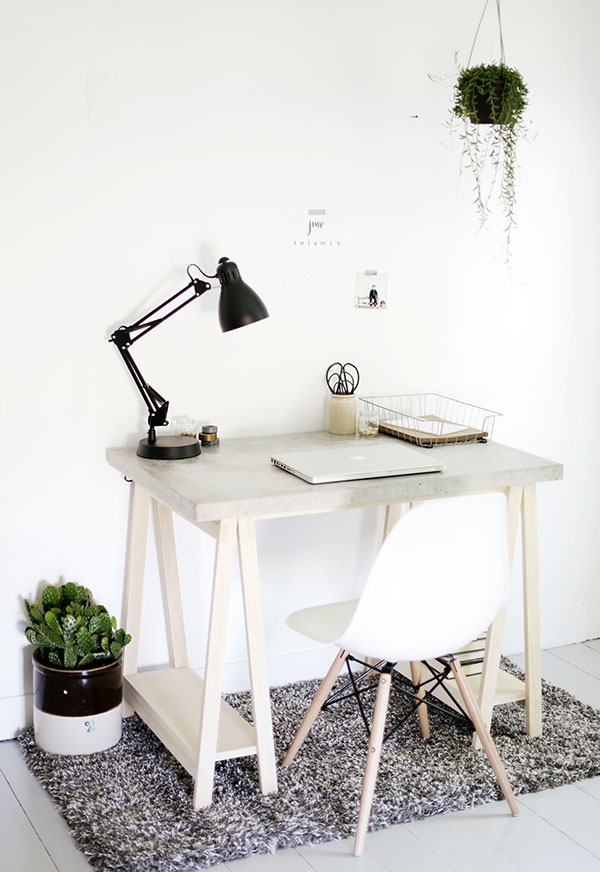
(376, 459)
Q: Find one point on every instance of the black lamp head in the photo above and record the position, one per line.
(238, 304)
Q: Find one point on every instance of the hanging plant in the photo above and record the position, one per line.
(490, 100)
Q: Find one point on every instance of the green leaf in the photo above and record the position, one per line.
(85, 644)
(104, 624)
(36, 616)
(82, 595)
(69, 626)
(50, 596)
(115, 650)
(69, 591)
(34, 637)
(100, 623)
(54, 659)
(52, 621)
(70, 657)
(52, 638)
(77, 609)
(85, 660)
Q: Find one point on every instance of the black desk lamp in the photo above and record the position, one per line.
(238, 305)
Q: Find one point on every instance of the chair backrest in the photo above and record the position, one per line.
(438, 581)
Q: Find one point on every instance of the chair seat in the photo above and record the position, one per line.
(324, 623)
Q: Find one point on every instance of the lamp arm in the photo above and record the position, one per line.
(156, 404)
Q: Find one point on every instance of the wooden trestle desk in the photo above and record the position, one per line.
(223, 492)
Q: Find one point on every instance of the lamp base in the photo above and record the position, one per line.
(169, 448)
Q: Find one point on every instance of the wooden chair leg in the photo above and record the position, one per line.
(484, 736)
(315, 707)
(416, 671)
(373, 756)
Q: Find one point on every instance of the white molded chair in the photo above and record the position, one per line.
(439, 579)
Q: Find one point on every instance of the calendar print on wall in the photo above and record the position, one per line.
(314, 252)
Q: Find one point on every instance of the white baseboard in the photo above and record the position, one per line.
(283, 668)
(16, 714)
(565, 626)
(559, 627)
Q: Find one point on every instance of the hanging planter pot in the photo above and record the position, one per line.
(77, 671)
(490, 100)
(76, 711)
(490, 94)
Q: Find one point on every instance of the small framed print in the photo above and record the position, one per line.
(371, 290)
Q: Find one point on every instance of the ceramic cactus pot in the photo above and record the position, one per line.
(77, 711)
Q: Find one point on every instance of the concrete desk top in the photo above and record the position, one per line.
(237, 479)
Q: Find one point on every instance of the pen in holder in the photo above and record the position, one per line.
(342, 380)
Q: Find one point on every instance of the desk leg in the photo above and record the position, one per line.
(135, 560)
(257, 656)
(393, 513)
(531, 605)
(493, 644)
(215, 658)
(169, 580)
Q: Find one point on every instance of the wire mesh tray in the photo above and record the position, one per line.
(431, 419)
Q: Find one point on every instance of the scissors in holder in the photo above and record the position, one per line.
(342, 378)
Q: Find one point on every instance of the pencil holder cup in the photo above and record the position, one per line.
(342, 414)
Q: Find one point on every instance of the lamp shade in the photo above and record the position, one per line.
(238, 304)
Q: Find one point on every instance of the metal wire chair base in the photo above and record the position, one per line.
(355, 687)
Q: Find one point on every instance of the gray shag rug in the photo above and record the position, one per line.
(130, 808)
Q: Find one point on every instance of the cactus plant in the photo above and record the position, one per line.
(71, 631)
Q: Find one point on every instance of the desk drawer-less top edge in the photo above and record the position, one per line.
(238, 479)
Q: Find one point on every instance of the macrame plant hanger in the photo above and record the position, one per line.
(485, 6)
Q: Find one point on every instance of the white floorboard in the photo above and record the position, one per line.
(557, 830)
(36, 805)
(401, 850)
(571, 811)
(489, 839)
(584, 657)
(286, 860)
(22, 849)
(591, 786)
(559, 671)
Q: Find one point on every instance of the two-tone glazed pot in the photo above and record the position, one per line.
(77, 711)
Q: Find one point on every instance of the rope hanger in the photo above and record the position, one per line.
(499, 27)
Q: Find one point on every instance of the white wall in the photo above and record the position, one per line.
(142, 135)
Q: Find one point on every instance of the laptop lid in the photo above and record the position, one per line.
(359, 459)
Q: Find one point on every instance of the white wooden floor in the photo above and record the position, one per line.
(557, 830)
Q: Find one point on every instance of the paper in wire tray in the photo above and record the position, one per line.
(431, 419)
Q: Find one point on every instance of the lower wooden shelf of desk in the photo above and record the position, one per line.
(508, 688)
(169, 701)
